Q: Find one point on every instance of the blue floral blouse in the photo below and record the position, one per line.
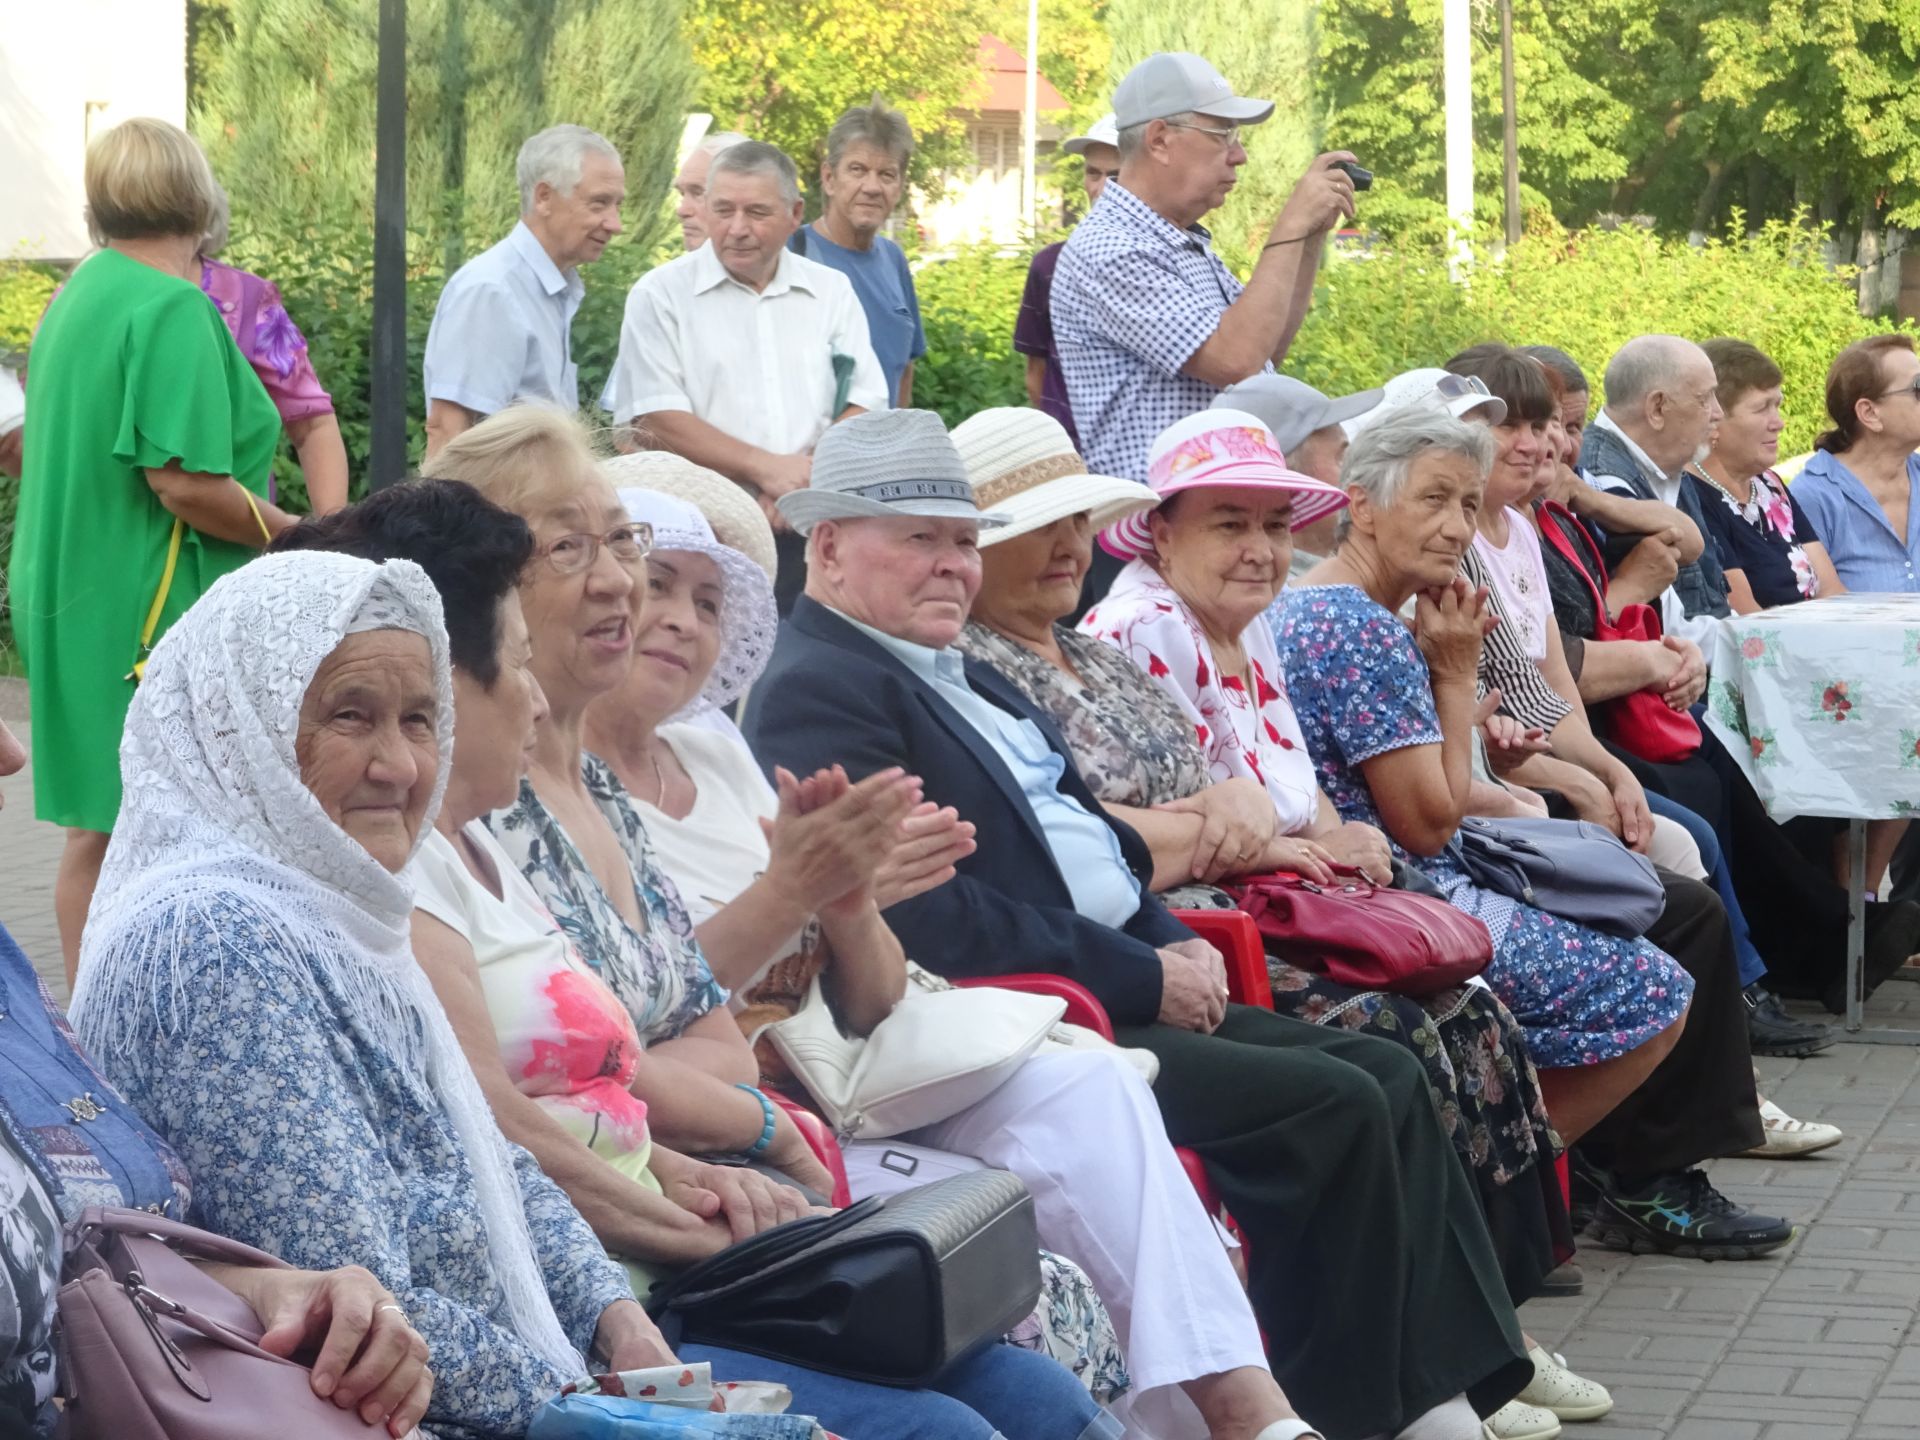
(660, 974)
(308, 1141)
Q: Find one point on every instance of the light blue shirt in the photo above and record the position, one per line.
(1083, 845)
(503, 330)
(1868, 556)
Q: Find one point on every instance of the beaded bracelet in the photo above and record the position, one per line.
(759, 1147)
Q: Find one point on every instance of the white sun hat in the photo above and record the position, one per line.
(1023, 465)
(1219, 449)
(748, 620)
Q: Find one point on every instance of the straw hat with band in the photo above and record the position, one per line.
(1219, 449)
(1023, 465)
(883, 463)
(748, 620)
(736, 517)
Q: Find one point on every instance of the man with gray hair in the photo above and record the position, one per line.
(503, 328)
(741, 354)
(1658, 421)
(862, 178)
(1149, 323)
(691, 186)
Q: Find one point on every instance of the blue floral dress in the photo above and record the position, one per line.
(659, 974)
(306, 1140)
(1361, 689)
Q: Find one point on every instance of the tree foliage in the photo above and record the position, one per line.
(284, 105)
(1263, 48)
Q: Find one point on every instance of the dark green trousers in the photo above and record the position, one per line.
(1369, 1264)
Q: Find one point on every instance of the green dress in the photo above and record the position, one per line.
(132, 369)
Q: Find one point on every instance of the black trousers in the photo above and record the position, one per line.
(1369, 1264)
(1699, 1102)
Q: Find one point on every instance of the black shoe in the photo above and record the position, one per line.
(1893, 933)
(1586, 1183)
(1684, 1215)
(1563, 1281)
(1772, 1031)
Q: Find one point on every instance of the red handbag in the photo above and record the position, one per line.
(1361, 935)
(1642, 723)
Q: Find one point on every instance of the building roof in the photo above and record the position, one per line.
(1004, 71)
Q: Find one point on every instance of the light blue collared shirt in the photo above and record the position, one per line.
(1868, 556)
(1083, 845)
(503, 330)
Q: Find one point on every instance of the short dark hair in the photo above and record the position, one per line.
(473, 550)
(1518, 379)
(1739, 367)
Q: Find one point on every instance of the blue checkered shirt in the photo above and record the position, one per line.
(1133, 298)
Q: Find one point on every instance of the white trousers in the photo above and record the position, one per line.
(1084, 1135)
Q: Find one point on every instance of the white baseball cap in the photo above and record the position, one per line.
(1104, 131)
(1439, 389)
(1177, 83)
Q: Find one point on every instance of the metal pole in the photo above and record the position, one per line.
(1509, 122)
(1456, 48)
(387, 452)
(1030, 119)
(1856, 924)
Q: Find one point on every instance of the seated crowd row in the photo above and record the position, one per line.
(446, 898)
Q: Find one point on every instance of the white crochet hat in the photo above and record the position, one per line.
(748, 620)
(736, 517)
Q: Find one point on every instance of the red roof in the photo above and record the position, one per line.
(1004, 70)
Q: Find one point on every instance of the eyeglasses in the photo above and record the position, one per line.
(1230, 135)
(1911, 390)
(1458, 387)
(570, 554)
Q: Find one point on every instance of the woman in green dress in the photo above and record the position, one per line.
(149, 442)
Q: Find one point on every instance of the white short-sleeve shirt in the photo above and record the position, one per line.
(503, 330)
(756, 365)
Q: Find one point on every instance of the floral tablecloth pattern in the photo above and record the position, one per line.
(1820, 704)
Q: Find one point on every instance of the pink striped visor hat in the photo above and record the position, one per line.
(1219, 449)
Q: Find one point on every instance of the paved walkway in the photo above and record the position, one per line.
(1817, 1344)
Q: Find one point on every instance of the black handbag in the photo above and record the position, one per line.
(890, 1290)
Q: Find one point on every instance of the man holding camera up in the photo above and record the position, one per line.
(1150, 324)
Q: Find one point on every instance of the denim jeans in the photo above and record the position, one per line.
(1751, 966)
(995, 1391)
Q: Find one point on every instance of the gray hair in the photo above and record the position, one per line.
(1382, 455)
(756, 157)
(554, 157)
(1562, 364)
(724, 140)
(1645, 364)
(1134, 136)
(878, 125)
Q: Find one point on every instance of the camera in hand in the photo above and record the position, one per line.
(1361, 176)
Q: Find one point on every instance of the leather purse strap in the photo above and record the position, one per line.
(98, 1220)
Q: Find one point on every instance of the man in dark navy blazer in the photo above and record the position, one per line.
(1365, 1238)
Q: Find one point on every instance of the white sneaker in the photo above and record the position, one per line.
(1787, 1137)
(1566, 1395)
(1516, 1420)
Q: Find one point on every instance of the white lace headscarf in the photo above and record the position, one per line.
(215, 807)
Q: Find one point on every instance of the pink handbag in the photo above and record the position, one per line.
(150, 1348)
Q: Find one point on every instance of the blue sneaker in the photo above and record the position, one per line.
(1682, 1214)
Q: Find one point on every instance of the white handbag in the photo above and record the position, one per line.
(941, 1050)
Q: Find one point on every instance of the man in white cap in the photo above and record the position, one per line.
(1099, 149)
(1149, 323)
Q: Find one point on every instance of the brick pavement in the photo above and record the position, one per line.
(1819, 1343)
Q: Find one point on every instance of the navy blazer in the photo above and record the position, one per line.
(833, 696)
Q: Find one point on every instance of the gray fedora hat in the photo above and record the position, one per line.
(885, 462)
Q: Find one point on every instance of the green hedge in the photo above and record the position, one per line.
(1372, 316)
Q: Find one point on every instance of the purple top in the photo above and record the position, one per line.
(268, 338)
(1033, 335)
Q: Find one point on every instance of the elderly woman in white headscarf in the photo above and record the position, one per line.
(788, 885)
(247, 981)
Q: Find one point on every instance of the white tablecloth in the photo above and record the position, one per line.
(1820, 704)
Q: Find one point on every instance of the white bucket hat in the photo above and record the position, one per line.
(1023, 465)
(736, 517)
(1219, 449)
(748, 620)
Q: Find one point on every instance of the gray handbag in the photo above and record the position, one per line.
(1570, 868)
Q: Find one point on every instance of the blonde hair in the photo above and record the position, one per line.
(145, 177)
(526, 459)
